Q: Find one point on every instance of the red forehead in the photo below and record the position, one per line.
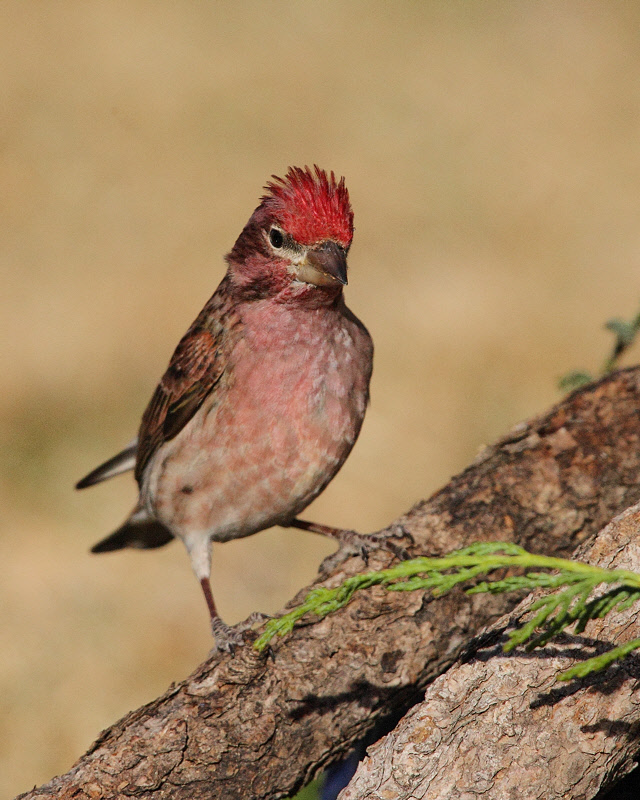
(311, 206)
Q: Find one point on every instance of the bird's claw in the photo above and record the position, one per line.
(358, 544)
(228, 637)
(384, 539)
(255, 618)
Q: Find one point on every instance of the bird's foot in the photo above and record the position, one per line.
(254, 618)
(362, 545)
(228, 637)
(387, 540)
(358, 544)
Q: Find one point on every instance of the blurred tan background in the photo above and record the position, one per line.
(492, 152)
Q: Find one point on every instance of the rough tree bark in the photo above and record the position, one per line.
(499, 727)
(253, 727)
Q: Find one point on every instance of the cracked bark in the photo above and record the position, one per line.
(248, 726)
(499, 726)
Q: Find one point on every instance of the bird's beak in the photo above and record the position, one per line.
(324, 265)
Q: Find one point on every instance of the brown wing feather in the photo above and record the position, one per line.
(196, 367)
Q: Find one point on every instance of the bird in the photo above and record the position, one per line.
(265, 394)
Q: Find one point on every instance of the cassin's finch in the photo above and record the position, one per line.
(265, 394)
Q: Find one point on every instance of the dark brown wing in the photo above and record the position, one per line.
(194, 371)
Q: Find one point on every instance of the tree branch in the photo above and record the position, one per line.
(248, 726)
(496, 726)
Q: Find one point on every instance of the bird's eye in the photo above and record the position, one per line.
(276, 238)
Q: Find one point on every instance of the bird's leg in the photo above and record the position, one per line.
(208, 596)
(199, 548)
(227, 637)
(353, 543)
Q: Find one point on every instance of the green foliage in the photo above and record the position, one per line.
(310, 792)
(572, 598)
(575, 380)
(625, 332)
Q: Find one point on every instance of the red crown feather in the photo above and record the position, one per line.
(311, 207)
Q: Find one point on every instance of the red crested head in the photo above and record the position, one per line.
(311, 206)
(295, 243)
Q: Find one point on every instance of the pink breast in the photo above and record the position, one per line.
(289, 417)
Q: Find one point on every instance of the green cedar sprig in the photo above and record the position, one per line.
(571, 601)
(625, 332)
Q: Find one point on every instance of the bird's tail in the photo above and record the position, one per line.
(123, 462)
(138, 531)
